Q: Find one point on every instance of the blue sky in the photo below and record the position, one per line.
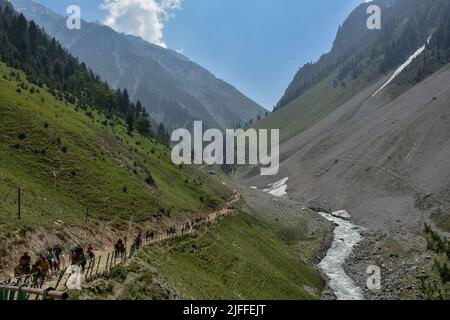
(255, 45)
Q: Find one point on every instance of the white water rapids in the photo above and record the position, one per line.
(346, 236)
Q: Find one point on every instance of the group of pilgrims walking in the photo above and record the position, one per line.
(52, 259)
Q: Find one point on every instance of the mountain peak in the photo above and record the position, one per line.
(352, 35)
(177, 90)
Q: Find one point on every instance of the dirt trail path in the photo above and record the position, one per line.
(211, 217)
(104, 256)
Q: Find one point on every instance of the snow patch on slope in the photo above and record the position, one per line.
(277, 189)
(403, 67)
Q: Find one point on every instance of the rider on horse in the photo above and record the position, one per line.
(25, 262)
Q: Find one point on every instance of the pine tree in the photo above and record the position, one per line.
(124, 103)
(25, 46)
(162, 134)
(143, 126)
(130, 122)
(33, 33)
(138, 108)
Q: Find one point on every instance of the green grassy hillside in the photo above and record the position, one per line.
(241, 257)
(311, 107)
(65, 158)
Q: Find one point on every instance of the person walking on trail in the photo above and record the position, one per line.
(25, 262)
(151, 236)
(119, 249)
(45, 267)
(37, 274)
(81, 257)
(137, 242)
(78, 258)
(58, 253)
(73, 258)
(79, 250)
(51, 256)
(90, 251)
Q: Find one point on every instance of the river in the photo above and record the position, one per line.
(346, 236)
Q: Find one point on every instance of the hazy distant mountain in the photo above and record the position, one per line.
(176, 90)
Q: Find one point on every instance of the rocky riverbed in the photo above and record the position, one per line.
(401, 258)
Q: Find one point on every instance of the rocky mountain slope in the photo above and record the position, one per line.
(382, 155)
(351, 36)
(387, 142)
(377, 158)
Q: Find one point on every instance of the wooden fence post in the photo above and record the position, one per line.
(18, 202)
(93, 266)
(86, 275)
(98, 264)
(111, 262)
(107, 261)
(61, 275)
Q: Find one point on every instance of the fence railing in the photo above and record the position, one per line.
(22, 292)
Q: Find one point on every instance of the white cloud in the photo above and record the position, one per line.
(144, 18)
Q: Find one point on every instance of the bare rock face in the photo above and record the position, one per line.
(383, 161)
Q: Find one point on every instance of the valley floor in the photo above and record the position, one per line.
(238, 257)
(269, 253)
